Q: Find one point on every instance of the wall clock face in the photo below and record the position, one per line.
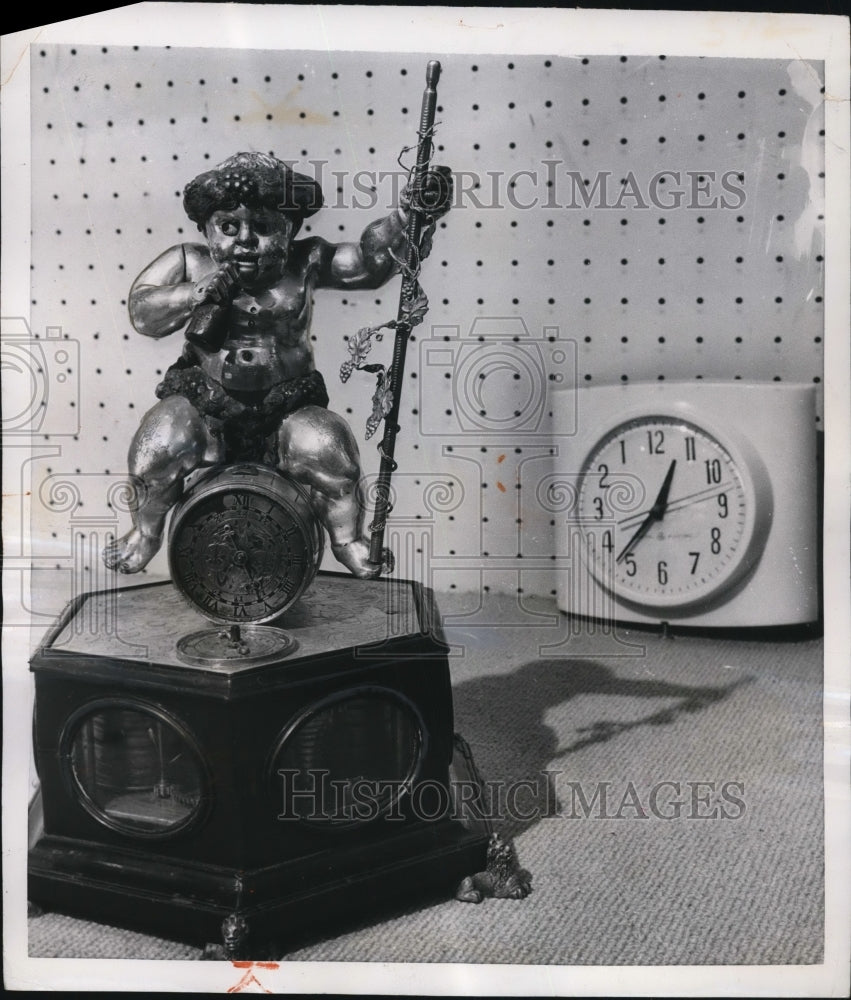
(244, 545)
(687, 502)
(687, 529)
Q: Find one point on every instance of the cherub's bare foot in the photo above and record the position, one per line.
(355, 557)
(132, 552)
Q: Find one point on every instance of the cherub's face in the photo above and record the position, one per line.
(256, 240)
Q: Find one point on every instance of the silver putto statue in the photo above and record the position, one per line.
(245, 387)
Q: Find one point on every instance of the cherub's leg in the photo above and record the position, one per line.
(318, 449)
(171, 441)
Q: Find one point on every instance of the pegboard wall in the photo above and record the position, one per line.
(615, 219)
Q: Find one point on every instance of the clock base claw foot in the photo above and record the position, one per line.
(132, 552)
(468, 893)
(355, 557)
(34, 910)
(503, 877)
(234, 936)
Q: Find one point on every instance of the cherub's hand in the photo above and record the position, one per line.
(435, 196)
(218, 287)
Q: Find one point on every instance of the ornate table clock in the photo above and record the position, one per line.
(278, 794)
(254, 750)
(243, 547)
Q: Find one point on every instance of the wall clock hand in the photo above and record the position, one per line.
(656, 513)
(710, 493)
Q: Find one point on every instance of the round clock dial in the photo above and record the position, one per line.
(244, 546)
(668, 512)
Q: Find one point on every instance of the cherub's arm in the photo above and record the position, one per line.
(366, 264)
(370, 262)
(162, 298)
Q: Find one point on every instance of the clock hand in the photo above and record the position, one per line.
(645, 526)
(241, 558)
(684, 501)
(662, 500)
(656, 513)
(687, 501)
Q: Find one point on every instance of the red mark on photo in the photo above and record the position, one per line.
(499, 486)
(249, 979)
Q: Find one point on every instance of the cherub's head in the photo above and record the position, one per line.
(250, 208)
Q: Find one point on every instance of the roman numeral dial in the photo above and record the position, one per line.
(244, 545)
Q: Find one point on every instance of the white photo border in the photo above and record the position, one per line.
(444, 30)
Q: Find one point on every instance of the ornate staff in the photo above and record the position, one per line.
(413, 305)
(405, 319)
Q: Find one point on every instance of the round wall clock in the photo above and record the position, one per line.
(244, 545)
(686, 499)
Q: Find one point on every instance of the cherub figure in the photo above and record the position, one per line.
(245, 387)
